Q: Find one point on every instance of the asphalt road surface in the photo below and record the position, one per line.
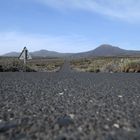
(69, 105)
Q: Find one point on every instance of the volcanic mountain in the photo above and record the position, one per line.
(107, 50)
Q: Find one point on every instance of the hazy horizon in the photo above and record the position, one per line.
(68, 26)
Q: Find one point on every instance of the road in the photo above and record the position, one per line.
(69, 105)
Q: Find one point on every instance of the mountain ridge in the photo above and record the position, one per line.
(102, 50)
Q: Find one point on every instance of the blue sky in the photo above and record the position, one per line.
(68, 25)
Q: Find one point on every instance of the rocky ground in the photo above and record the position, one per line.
(69, 105)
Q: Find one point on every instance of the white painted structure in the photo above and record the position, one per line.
(25, 55)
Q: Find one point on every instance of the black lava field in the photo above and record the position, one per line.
(69, 105)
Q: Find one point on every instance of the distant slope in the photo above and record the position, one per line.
(46, 53)
(12, 54)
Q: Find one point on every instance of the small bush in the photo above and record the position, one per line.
(1, 68)
(130, 66)
(110, 67)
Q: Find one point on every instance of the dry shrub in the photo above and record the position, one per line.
(108, 64)
(110, 67)
(130, 65)
(35, 65)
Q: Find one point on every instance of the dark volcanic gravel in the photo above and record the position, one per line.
(69, 105)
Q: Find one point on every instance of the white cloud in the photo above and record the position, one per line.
(128, 10)
(14, 41)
